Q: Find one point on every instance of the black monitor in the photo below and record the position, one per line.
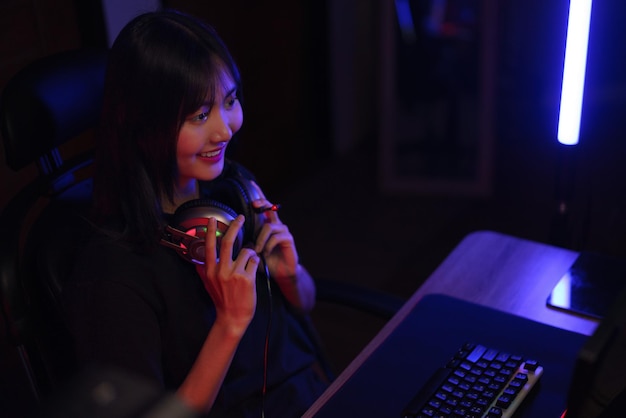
(597, 389)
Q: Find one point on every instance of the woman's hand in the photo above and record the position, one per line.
(277, 246)
(275, 242)
(232, 286)
(230, 283)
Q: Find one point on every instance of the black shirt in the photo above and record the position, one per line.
(148, 313)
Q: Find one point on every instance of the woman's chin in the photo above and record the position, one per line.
(213, 173)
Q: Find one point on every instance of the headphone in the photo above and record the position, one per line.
(227, 196)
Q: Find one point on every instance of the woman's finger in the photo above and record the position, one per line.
(230, 237)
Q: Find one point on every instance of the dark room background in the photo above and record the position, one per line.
(311, 70)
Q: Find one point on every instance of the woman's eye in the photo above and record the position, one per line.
(201, 117)
(231, 101)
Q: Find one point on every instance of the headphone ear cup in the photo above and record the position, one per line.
(238, 193)
(247, 194)
(191, 218)
(227, 196)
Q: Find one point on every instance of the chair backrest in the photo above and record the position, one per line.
(43, 109)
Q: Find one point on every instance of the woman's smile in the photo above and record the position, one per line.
(214, 155)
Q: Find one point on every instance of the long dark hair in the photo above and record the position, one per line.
(162, 67)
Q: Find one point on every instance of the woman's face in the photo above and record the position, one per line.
(203, 138)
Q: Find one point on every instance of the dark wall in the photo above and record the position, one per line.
(282, 48)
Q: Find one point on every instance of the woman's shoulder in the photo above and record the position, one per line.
(107, 267)
(106, 256)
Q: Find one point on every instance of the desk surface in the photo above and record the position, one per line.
(498, 271)
(509, 274)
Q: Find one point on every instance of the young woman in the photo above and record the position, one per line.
(226, 337)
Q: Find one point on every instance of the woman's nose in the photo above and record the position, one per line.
(220, 127)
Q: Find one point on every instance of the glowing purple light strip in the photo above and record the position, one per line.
(574, 69)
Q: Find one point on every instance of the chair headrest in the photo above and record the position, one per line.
(49, 102)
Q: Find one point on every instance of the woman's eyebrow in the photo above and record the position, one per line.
(232, 91)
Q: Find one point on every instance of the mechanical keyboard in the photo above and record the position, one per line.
(478, 382)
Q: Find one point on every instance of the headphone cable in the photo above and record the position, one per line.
(267, 336)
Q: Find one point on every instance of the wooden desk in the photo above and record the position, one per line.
(491, 269)
(506, 273)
